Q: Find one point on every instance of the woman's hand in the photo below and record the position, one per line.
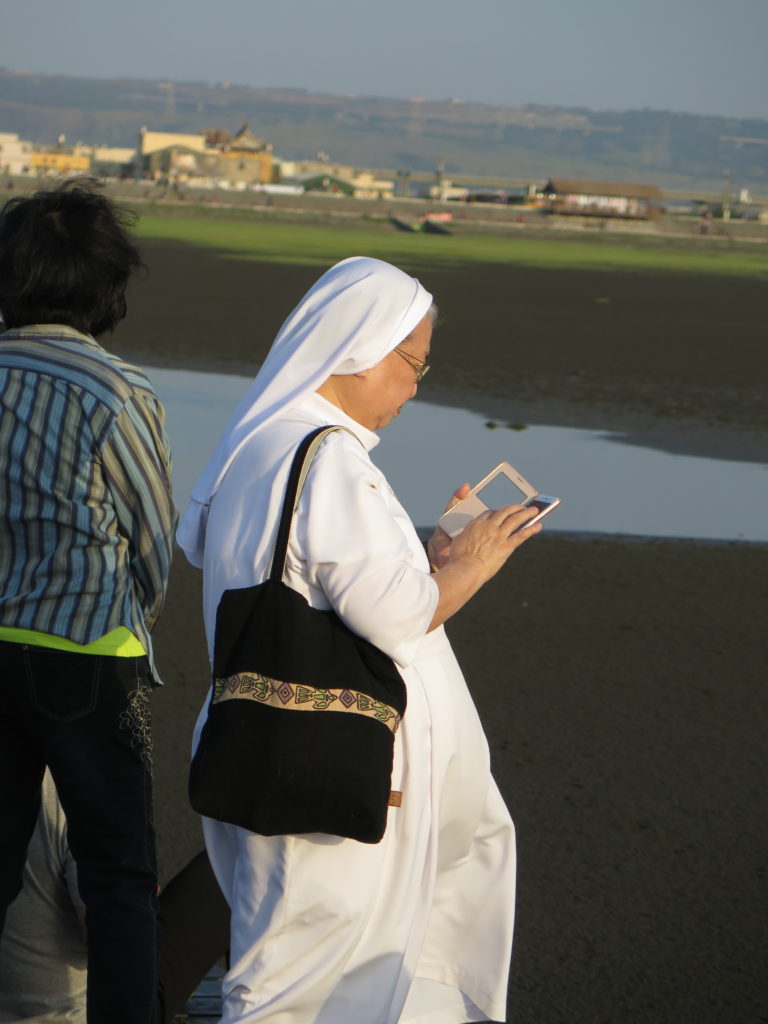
(480, 543)
(439, 544)
(477, 554)
(490, 539)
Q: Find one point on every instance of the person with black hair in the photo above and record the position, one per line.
(86, 526)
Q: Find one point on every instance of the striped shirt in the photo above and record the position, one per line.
(86, 516)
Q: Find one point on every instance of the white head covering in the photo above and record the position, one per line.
(347, 322)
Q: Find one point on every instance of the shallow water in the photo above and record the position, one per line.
(429, 450)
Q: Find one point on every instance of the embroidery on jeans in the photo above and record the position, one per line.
(301, 697)
(137, 719)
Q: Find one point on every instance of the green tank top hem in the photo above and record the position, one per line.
(118, 643)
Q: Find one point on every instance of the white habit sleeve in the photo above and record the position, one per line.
(361, 550)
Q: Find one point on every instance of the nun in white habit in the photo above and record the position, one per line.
(416, 928)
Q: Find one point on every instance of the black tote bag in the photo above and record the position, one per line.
(303, 712)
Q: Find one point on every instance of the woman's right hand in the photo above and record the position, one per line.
(490, 538)
(477, 554)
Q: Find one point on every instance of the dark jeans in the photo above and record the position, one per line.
(194, 934)
(87, 717)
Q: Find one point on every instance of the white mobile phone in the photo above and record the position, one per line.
(545, 503)
(502, 486)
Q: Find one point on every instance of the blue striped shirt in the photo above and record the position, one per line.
(86, 515)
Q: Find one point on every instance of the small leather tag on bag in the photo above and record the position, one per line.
(395, 798)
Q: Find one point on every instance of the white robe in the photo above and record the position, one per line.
(417, 928)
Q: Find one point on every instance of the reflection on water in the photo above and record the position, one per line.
(429, 450)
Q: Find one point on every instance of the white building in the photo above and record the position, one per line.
(15, 154)
(112, 161)
(362, 184)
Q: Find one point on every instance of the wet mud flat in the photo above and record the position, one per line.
(665, 353)
(621, 680)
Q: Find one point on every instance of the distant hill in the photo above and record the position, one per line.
(528, 143)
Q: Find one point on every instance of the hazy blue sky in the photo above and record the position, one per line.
(700, 56)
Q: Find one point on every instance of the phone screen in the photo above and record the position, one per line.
(540, 504)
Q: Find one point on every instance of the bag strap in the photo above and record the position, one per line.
(302, 460)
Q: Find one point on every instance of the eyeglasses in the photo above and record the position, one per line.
(421, 367)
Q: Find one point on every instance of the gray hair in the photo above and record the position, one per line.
(430, 315)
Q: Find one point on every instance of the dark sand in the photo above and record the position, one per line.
(622, 682)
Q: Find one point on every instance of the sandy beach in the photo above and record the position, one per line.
(621, 681)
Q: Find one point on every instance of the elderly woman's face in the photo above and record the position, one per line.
(389, 384)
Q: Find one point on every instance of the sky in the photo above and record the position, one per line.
(693, 56)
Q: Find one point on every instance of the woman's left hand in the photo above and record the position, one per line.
(439, 544)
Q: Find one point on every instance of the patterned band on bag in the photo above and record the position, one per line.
(300, 697)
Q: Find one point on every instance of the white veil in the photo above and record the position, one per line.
(354, 315)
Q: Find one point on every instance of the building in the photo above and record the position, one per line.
(156, 142)
(338, 179)
(60, 159)
(112, 161)
(168, 154)
(18, 157)
(327, 183)
(208, 158)
(241, 160)
(15, 154)
(600, 199)
(445, 191)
